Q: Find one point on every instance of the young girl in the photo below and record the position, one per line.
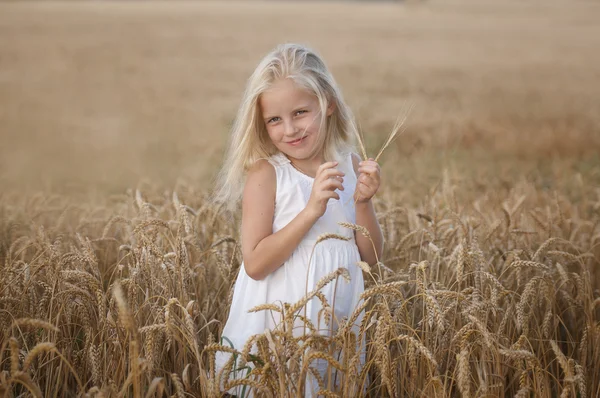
(293, 140)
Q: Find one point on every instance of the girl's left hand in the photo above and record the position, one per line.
(368, 180)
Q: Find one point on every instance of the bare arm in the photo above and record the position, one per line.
(264, 251)
(365, 216)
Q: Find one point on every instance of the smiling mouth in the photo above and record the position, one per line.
(297, 141)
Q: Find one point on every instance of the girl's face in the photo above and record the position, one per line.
(292, 118)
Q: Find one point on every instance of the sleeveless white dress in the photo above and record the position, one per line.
(289, 282)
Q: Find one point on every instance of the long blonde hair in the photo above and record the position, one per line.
(250, 141)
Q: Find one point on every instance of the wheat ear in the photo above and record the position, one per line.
(397, 129)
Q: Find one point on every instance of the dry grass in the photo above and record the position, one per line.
(488, 285)
(461, 303)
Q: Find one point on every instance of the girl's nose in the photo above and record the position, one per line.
(290, 129)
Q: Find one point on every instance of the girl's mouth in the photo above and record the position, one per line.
(297, 142)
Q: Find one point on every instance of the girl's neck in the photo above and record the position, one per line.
(308, 166)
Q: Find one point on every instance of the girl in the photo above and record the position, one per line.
(293, 140)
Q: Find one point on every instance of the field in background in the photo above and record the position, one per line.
(98, 94)
(113, 121)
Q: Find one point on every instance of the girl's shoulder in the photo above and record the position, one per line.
(267, 166)
(260, 185)
(265, 173)
(278, 159)
(260, 171)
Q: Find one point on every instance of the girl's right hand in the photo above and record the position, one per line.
(326, 181)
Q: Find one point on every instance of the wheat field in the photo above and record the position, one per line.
(116, 271)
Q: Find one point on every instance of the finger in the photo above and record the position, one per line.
(369, 169)
(332, 195)
(365, 192)
(367, 179)
(326, 165)
(325, 174)
(332, 185)
(368, 162)
(371, 180)
(365, 186)
(367, 189)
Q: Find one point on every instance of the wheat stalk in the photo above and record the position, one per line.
(23, 323)
(395, 131)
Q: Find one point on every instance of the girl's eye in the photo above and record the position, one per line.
(301, 112)
(273, 119)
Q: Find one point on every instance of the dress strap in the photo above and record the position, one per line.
(279, 159)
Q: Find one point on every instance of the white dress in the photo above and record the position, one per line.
(289, 282)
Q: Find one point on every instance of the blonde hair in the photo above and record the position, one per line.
(249, 139)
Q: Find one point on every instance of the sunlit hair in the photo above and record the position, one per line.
(250, 141)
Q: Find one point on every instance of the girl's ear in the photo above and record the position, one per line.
(330, 108)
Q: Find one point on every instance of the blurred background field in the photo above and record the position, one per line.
(114, 118)
(97, 95)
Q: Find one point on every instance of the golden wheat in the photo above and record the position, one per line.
(489, 288)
